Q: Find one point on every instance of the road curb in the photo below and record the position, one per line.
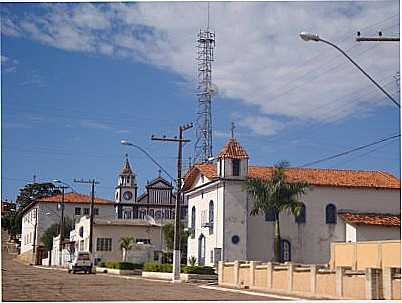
(252, 293)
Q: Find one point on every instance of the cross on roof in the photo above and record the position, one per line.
(232, 129)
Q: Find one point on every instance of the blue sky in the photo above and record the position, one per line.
(78, 78)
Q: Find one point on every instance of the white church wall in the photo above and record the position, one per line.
(235, 221)
(310, 241)
(201, 200)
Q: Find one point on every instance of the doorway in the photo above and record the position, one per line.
(201, 250)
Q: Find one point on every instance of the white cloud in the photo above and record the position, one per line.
(261, 125)
(95, 125)
(8, 65)
(260, 59)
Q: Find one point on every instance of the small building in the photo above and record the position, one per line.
(41, 214)
(107, 234)
(223, 229)
(370, 226)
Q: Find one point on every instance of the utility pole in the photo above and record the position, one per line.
(61, 228)
(91, 220)
(176, 245)
(34, 238)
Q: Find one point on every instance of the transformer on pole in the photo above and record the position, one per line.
(205, 91)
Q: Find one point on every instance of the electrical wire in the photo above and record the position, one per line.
(350, 151)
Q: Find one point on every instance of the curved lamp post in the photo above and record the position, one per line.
(125, 142)
(314, 37)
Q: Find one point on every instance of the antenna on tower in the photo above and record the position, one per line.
(205, 91)
(208, 17)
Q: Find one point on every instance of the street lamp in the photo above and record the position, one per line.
(315, 37)
(61, 229)
(126, 142)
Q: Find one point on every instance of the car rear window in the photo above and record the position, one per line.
(83, 257)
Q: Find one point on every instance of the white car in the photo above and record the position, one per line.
(81, 262)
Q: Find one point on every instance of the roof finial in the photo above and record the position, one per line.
(126, 155)
(232, 129)
(159, 172)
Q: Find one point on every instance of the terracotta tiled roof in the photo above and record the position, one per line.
(208, 170)
(371, 218)
(233, 150)
(314, 176)
(332, 177)
(75, 198)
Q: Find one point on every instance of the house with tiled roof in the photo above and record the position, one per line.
(342, 205)
(42, 213)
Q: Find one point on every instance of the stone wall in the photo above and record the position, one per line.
(312, 280)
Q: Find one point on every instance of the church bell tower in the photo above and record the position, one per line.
(125, 192)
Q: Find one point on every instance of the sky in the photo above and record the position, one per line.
(76, 78)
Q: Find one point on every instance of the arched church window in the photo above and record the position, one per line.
(236, 167)
(211, 212)
(330, 214)
(192, 223)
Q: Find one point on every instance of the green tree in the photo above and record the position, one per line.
(35, 191)
(276, 195)
(12, 222)
(54, 230)
(126, 243)
(168, 233)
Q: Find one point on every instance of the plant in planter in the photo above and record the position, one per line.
(192, 261)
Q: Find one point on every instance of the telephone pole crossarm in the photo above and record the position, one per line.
(377, 39)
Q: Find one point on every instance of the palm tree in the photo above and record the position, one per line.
(276, 195)
(126, 244)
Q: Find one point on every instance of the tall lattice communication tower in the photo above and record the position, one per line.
(205, 91)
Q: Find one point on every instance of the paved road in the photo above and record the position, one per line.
(27, 283)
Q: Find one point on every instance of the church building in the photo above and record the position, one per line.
(221, 227)
(158, 200)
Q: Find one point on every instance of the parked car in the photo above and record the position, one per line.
(81, 262)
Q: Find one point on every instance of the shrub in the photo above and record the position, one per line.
(201, 270)
(156, 267)
(120, 265)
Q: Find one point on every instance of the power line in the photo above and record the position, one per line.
(350, 151)
(359, 156)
